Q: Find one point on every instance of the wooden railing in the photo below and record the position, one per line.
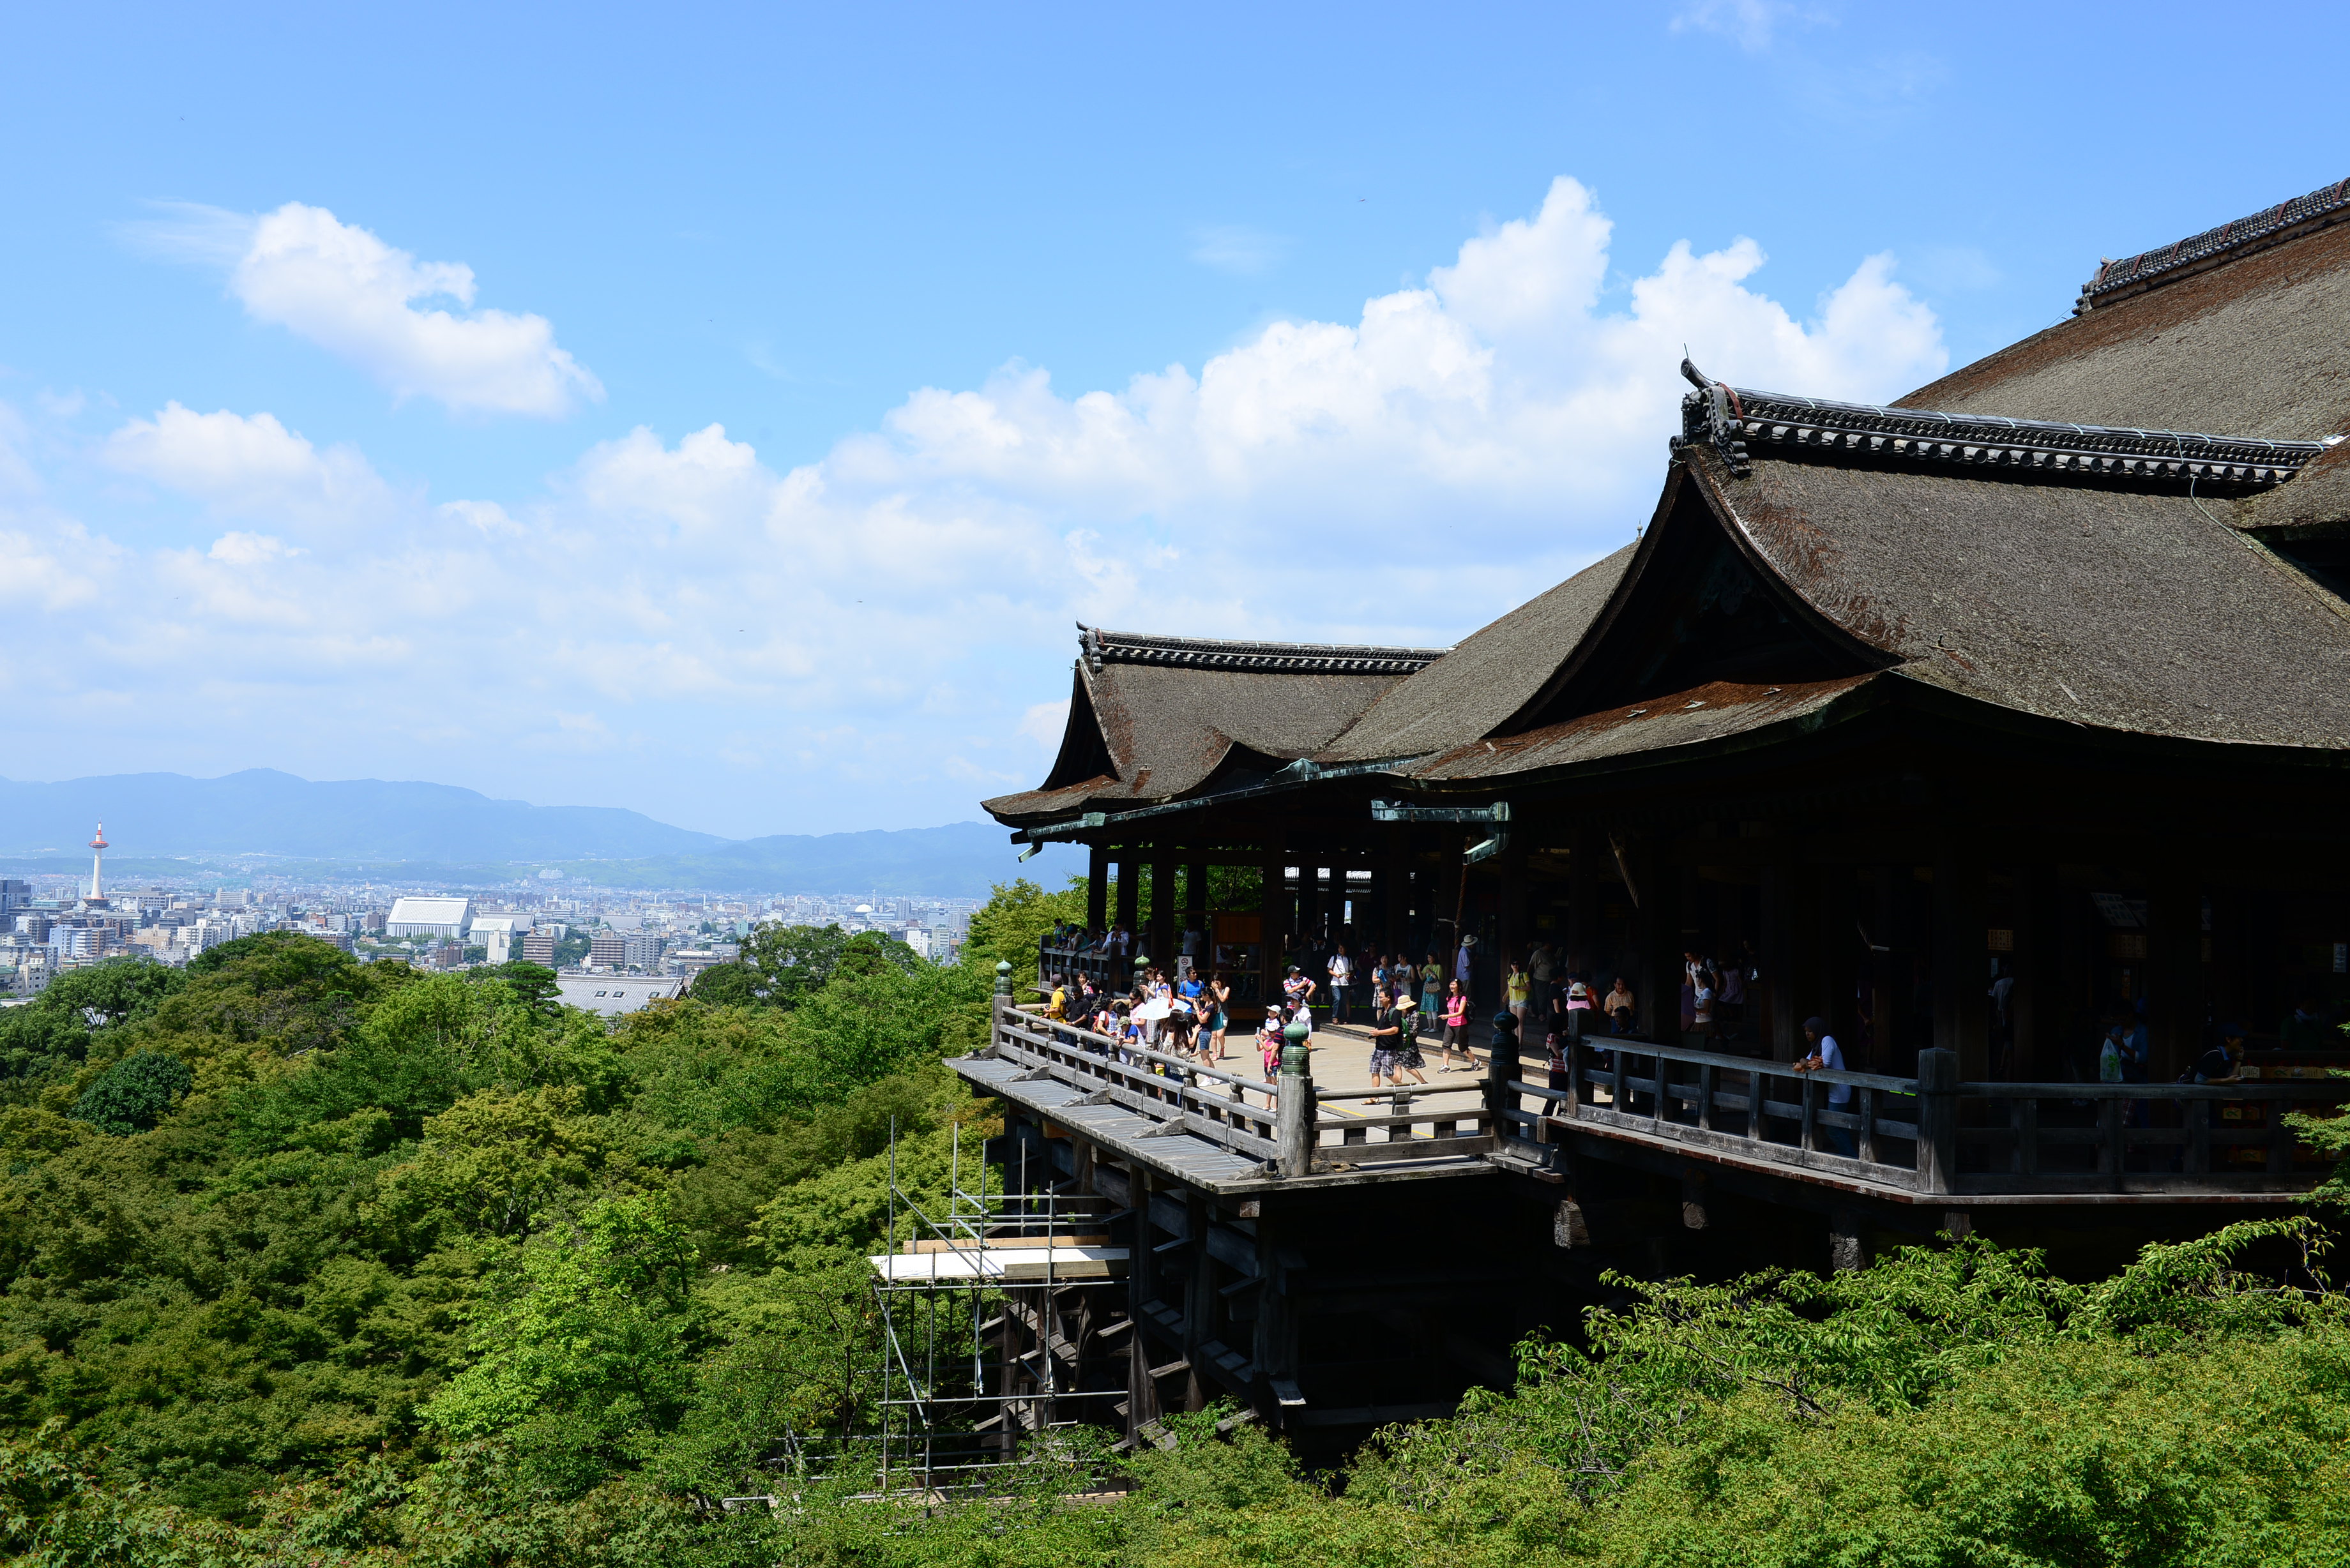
(1453, 1130)
(1931, 1134)
(1290, 1130)
(1179, 1093)
(1107, 973)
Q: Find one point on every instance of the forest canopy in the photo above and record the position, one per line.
(311, 1260)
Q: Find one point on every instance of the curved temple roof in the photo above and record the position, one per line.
(1736, 419)
(2040, 533)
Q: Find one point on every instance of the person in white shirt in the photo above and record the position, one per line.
(1342, 976)
(1828, 1054)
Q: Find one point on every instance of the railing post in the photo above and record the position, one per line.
(2112, 1155)
(1868, 1125)
(2196, 1157)
(1758, 1089)
(1807, 1138)
(1293, 1095)
(1003, 994)
(1500, 1072)
(1705, 1079)
(1937, 1120)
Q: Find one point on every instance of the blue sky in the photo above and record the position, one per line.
(725, 414)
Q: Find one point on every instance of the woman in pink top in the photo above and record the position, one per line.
(1456, 1028)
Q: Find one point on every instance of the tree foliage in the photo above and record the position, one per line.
(782, 966)
(135, 1093)
(426, 1270)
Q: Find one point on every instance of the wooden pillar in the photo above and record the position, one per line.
(1579, 943)
(1097, 886)
(1161, 945)
(1199, 1298)
(1890, 963)
(1273, 1343)
(2038, 1001)
(1443, 926)
(2174, 978)
(1510, 920)
(1398, 889)
(1789, 951)
(1274, 932)
(1195, 910)
(1309, 895)
(1961, 965)
(1839, 953)
(1128, 888)
(1660, 941)
(2226, 973)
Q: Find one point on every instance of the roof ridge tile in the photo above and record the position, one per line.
(1100, 648)
(2115, 280)
(1735, 420)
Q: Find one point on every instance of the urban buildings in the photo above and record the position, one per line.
(50, 923)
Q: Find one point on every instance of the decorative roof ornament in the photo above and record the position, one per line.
(1737, 419)
(1712, 413)
(1276, 658)
(2117, 280)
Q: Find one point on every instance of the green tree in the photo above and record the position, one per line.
(55, 1029)
(782, 966)
(135, 1093)
(587, 1361)
(1015, 917)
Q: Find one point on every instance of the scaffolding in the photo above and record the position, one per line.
(1003, 1324)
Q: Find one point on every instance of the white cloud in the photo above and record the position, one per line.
(252, 466)
(337, 285)
(1237, 249)
(1752, 25)
(869, 635)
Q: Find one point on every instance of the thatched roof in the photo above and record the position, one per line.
(2124, 523)
(1154, 719)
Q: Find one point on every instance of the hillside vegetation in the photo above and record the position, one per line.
(306, 1261)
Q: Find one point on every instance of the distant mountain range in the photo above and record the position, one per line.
(428, 832)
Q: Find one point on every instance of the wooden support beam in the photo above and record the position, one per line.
(1162, 942)
(1789, 951)
(1510, 922)
(1097, 886)
(1661, 964)
(1274, 928)
(1890, 966)
(2174, 978)
(1847, 1253)
(1129, 883)
(2037, 1002)
(1197, 906)
(1839, 969)
(1961, 958)
(1579, 943)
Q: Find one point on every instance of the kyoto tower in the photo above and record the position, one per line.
(97, 863)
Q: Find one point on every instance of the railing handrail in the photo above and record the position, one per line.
(1408, 1091)
(1145, 1053)
(1749, 1064)
(2241, 1089)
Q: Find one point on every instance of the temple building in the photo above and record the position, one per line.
(2042, 672)
(2005, 728)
